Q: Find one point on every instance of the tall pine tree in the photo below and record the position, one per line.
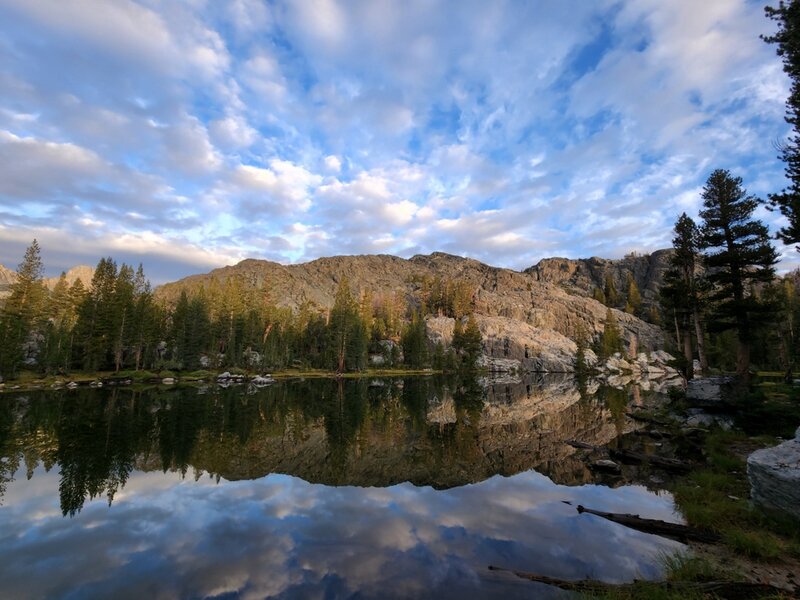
(787, 38)
(738, 254)
(22, 312)
(687, 287)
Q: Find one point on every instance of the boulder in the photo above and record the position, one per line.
(774, 475)
(499, 365)
(509, 344)
(605, 465)
(710, 391)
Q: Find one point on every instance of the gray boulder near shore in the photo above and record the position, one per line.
(774, 475)
(709, 392)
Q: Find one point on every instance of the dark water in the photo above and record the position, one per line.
(314, 489)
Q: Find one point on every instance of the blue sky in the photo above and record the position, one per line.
(189, 135)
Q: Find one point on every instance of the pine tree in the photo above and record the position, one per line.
(738, 254)
(634, 298)
(143, 327)
(415, 342)
(610, 292)
(673, 299)
(347, 333)
(611, 340)
(60, 320)
(96, 320)
(581, 346)
(122, 313)
(599, 295)
(685, 263)
(23, 311)
(787, 38)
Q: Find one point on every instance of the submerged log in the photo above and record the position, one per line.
(728, 590)
(674, 531)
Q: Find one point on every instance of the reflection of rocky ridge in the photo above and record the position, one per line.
(520, 427)
(424, 430)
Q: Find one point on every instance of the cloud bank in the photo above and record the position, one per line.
(191, 135)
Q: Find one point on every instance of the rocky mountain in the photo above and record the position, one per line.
(524, 315)
(82, 272)
(7, 278)
(583, 275)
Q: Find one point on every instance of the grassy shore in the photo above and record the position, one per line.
(30, 380)
(757, 545)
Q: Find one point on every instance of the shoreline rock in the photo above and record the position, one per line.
(774, 475)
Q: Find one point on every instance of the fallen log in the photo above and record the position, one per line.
(582, 445)
(729, 590)
(669, 464)
(674, 531)
(645, 418)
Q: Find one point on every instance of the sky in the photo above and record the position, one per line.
(187, 135)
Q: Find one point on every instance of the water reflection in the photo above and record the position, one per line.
(229, 491)
(427, 431)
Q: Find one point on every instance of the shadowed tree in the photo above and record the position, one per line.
(22, 310)
(684, 287)
(738, 254)
(787, 38)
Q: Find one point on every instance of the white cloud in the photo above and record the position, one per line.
(294, 129)
(333, 163)
(285, 186)
(233, 132)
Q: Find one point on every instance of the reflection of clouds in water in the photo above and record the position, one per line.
(280, 536)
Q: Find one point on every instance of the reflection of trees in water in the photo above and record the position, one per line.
(380, 428)
(97, 436)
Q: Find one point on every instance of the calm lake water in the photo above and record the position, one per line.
(314, 489)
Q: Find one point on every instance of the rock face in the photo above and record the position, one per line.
(710, 391)
(511, 345)
(774, 475)
(507, 300)
(582, 276)
(7, 278)
(82, 272)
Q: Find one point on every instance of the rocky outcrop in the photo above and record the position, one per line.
(7, 279)
(584, 275)
(774, 475)
(511, 345)
(710, 392)
(82, 272)
(650, 370)
(511, 298)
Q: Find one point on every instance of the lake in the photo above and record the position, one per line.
(318, 488)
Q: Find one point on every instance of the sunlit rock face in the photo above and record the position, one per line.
(584, 275)
(519, 297)
(7, 278)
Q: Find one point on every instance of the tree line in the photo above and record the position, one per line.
(116, 324)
